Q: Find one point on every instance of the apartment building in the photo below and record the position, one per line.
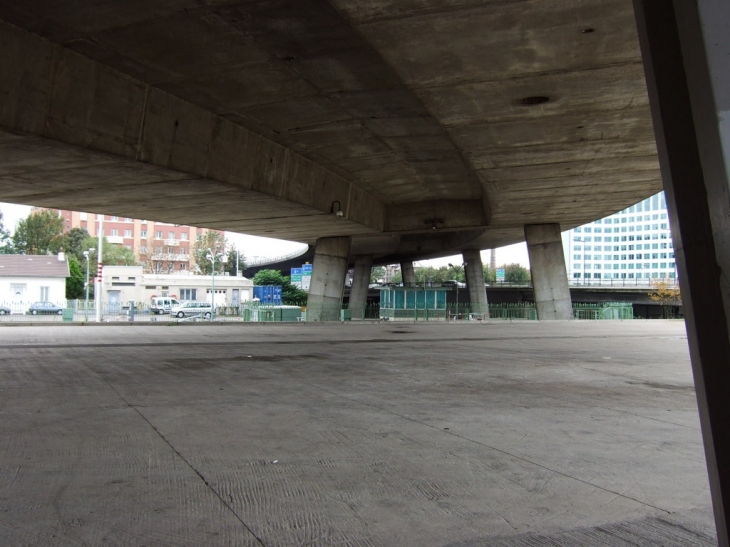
(159, 246)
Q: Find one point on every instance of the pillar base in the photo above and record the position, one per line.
(549, 276)
(329, 269)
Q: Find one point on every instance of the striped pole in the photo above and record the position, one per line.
(99, 266)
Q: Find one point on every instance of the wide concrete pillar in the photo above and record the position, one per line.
(474, 272)
(329, 269)
(408, 274)
(686, 55)
(360, 283)
(549, 276)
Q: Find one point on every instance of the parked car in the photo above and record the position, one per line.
(46, 308)
(190, 309)
(4, 310)
(162, 304)
(454, 283)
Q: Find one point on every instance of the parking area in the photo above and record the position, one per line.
(462, 434)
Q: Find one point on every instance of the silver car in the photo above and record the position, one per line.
(191, 309)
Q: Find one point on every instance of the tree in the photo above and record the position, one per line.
(76, 279)
(490, 276)
(112, 255)
(514, 273)
(73, 243)
(39, 233)
(6, 243)
(456, 272)
(377, 273)
(233, 256)
(430, 274)
(209, 241)
(667, 294)
(290, 295)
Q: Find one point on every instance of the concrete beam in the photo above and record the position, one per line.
(427, 216)
(329, 269)
(686, 50)
(475, 281)
(549, 277)
(53, 92)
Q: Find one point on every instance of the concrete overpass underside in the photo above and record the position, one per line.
(432, 126)
(391, 130)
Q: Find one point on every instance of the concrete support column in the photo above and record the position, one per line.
(547, 267)
(329, 269)
(475, 281)
(408, 274)
(685, 50)
(360, 283)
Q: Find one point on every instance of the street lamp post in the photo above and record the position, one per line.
(86, 306)
(212, 256)
(457, 268)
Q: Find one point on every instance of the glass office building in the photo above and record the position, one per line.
(635, 243)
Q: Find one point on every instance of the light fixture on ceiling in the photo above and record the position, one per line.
(433, 223)
(336, 209)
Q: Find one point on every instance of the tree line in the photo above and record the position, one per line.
(513, 273)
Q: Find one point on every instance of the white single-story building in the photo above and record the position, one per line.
(25, 279)
(122, 284)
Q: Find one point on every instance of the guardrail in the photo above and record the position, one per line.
(264, 260)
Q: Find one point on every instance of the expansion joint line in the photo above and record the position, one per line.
(185, 460)
(484, 445)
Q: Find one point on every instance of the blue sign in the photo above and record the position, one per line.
(306, 268)
(296, 271)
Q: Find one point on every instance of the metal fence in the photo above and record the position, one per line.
(75, 311)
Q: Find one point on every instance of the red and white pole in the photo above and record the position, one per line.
(99, 266)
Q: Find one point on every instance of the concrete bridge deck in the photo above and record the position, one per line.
(374, 435)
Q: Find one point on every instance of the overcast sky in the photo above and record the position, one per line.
(253, 246)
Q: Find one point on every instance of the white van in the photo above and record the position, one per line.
(162, 304)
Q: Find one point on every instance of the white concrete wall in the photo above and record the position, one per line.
(133, 284)
(14, 298)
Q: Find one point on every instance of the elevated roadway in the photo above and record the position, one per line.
(431, 126)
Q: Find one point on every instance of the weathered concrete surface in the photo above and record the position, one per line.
(419, 117)
(686, 50)
(360, 281)
(408, 274)
(329, 269)
(474, 273)
(547, 269)
(461, 435)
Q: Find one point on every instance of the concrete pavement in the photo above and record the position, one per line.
(460, 435)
